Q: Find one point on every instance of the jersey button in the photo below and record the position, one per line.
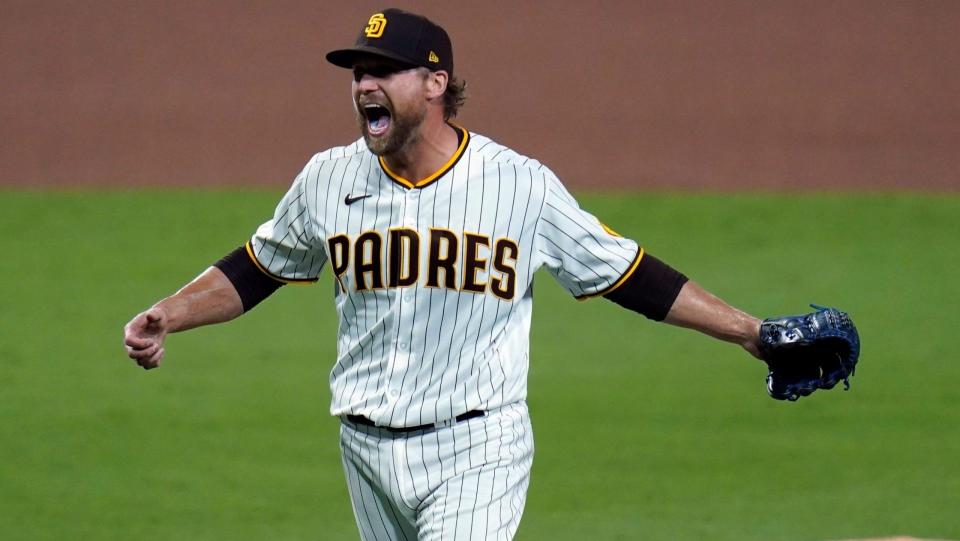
(394, 393)
(403, 345)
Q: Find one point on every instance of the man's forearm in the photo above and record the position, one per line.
(208, 299)
(696, 308)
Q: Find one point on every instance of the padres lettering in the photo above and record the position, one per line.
(375, 26)
(485, 266)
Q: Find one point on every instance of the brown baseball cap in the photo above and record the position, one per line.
(401, 36)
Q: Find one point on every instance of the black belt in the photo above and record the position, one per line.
(361, 420)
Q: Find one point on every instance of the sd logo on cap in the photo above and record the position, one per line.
(375, 26)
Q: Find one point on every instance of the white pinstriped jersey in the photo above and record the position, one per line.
(434, 280)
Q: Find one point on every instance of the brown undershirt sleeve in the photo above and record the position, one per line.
(650, 290)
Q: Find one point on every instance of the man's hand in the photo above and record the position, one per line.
(752, 346)
(144, 335)
(210, 298)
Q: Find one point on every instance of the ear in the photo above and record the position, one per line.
(436, 84)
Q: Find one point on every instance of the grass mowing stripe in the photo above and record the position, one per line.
(642, 430)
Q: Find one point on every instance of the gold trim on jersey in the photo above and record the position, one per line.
(610, 231)
(618, 283)
(294, 281)
(439, 173)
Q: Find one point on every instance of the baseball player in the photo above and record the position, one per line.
(432, 235)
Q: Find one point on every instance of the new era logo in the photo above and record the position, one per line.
(433, 57)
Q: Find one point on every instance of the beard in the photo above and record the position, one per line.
(403, 131)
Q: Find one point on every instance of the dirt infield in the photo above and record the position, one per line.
(671, 94)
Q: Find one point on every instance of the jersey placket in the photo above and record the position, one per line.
(404, 300)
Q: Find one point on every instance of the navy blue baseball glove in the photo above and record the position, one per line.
(809, 352)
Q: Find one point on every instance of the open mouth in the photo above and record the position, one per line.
(378, 118)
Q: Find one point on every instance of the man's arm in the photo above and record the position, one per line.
(698, 309)
(208, 299)
(661, 293)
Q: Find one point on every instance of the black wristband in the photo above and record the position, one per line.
(250, 282)
(651, 289)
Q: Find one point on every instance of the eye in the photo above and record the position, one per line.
(380, 71)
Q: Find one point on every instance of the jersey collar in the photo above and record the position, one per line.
(463, 136)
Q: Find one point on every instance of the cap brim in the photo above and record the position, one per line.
(346, 58)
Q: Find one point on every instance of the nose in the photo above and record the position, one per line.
(367, 83)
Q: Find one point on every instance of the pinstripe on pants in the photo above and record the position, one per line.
(463, 482)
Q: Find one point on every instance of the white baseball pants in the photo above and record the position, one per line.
(463, 482)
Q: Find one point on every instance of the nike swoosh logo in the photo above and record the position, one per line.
(349, 200)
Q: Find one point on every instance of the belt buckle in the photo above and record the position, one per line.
(446, 423)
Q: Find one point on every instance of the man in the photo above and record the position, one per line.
(433, 235)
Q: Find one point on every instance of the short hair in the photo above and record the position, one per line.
(454, 97)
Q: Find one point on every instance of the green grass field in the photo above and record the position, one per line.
(643, 431)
